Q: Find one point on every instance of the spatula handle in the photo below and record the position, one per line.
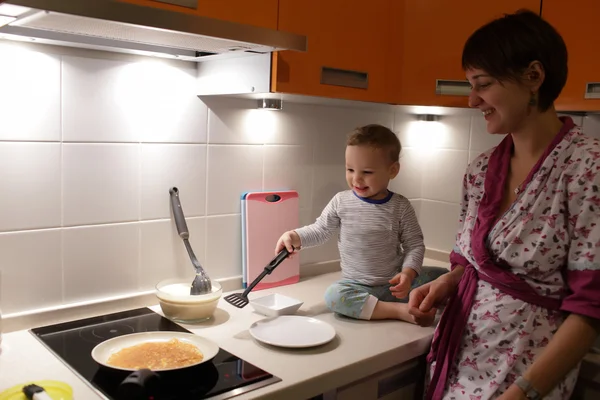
(283, 254)
(178, 214)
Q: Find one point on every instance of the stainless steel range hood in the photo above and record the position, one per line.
(116, 26)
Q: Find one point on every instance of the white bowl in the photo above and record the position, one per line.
(179, 305)
(276, 304)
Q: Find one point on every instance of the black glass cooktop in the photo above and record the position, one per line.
(224, 377)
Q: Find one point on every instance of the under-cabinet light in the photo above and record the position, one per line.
(270, 104)
(428, 117)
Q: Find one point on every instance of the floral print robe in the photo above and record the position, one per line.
(548, 239)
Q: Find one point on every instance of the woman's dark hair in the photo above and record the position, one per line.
(506, 46)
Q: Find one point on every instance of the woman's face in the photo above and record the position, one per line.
(504, 105)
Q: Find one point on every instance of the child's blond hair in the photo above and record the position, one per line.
(376, 136)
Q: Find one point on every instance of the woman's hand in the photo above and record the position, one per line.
(513, 393)
(424, 300)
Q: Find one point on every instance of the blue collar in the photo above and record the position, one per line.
(372, 201)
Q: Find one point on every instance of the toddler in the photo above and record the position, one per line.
(380, 241)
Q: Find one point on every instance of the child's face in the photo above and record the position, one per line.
(369, 170)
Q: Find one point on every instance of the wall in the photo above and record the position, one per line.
(90, 143)
(89, 148)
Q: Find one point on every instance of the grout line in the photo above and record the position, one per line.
(63, 291)
(62, 134)
(140, 267)
(136, 142)
(470, 134)
(221, 215)
(311, 204)
(206, 172)
(99, 142)
(101, 224)
(440, 202)
(139, 226)
(139, 194)
(264, 156)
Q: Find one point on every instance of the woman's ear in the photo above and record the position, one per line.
(534, 76)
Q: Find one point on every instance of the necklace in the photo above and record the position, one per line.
(520, 188)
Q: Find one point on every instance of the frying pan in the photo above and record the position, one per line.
(102, 352)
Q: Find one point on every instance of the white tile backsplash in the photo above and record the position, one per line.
(30, 176)
(101, 183)
(224, 246)
(163, 254)
(116, 101)
(31, 270)
(443, 174)
(290, 168)
(591, 125)
(439, 221)
(88, 213)
(228, 122)
(232, 170)
(450, 132)
(29, 95)
(481, 140)
(327, 181)
(409, 179)
(164, 166)
(100, 261)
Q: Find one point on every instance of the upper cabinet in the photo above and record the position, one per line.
(261, 13)
(576, 21)
(350, 53)
(431, 43)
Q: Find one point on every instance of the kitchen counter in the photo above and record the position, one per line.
(361, 348)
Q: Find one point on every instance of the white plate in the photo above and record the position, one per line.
(102, 352)
(292, 331)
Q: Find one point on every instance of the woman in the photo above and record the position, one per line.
(523, 297)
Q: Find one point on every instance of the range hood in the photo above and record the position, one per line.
(122, 27)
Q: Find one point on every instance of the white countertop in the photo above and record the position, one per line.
(361, 348)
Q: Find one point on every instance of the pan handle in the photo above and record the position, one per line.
(138, 385)
(182, 228)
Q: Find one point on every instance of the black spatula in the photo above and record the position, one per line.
(240, 300)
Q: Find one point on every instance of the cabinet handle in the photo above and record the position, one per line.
(450, 87)
(344, 77)
(183, 3)
(592, 90)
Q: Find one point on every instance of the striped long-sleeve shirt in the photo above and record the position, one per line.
(377, 238)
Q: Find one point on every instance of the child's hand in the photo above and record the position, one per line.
(401, 284)
(290, 240)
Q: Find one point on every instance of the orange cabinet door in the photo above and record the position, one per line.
(348, 49)
(576, 21)
(252, 12)
(432, 41)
